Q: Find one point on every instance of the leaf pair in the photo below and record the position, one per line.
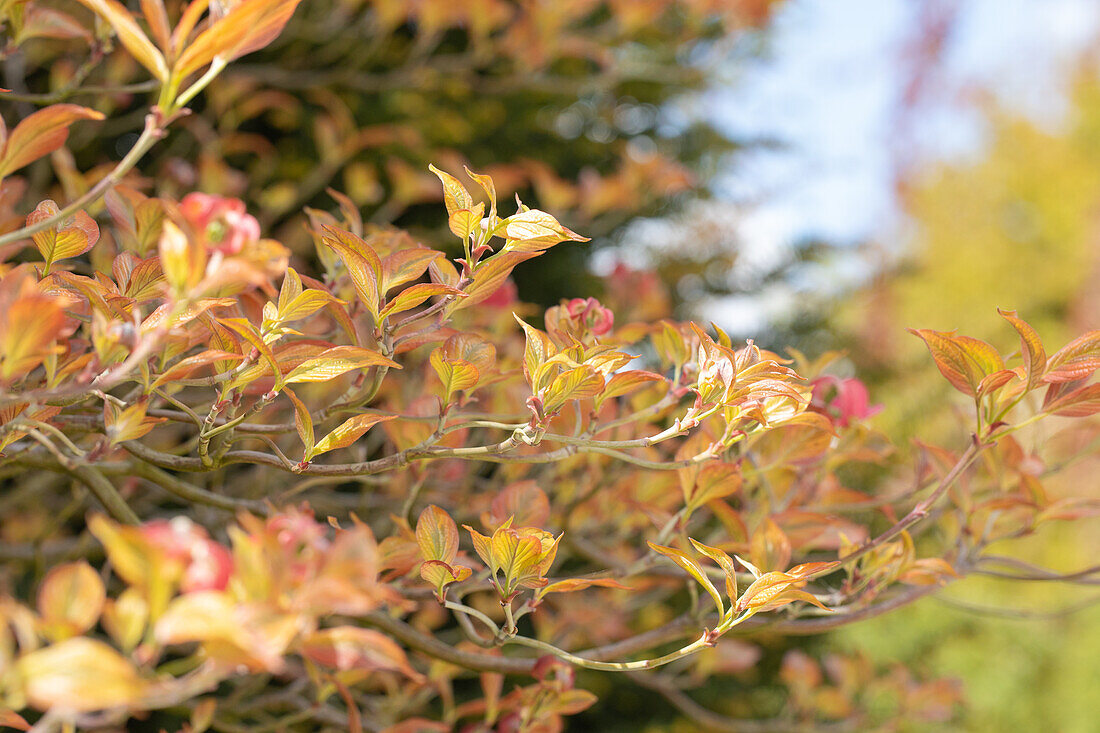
(437, 537)
(521, 555)
(248, 26)
(341, 436)
(767, 592)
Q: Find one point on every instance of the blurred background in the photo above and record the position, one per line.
(810, 173)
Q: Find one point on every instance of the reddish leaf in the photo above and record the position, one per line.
(41, 133)
(1031, 347)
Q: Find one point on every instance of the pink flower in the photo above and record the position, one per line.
(207, 565)
(220, 222)
(847, 400)
(596, 318)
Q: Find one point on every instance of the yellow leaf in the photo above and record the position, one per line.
(336, 361)
(465, 222)
(79, 675)
(70, 599)
(455, 195)
(346, 433)
(437, 535)
(248, 26)
(455, 374)
(681, 558)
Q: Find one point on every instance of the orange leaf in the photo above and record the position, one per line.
(41, 133)
(130, 35)
(405, 266)
(489, 275)
(1031, 347)
(1081, 402)
(437, 535)
(69, 238)
(248, 26)
(351, 647)
(950, 359)
(415, 295)
(347, 433)
(70, 599)
(184, 367)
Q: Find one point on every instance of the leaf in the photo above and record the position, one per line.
(623, 383)
(950, 359)
(439, 574)
(157, 17)
(575, 384)
(248, 26)
(129, 424)
(482, 545)
(993, 382)
(306, 304)
(1031, 347)
(336, 361)
(248, 331)
(130, 35)
(681, 558)
(74, 237)
(465, 222)
(1081, 402)
(537, 229)
(351, 647)
(303, 423)
(455, 374)
(490, 189)
(570, 585)
(713, 481)
(489, 275)
(455, 195)
(724, 561)
(79, 675)
(347, 433)
(415, 295)
(524, 502)
(405, 266)
(770, 547)
(764, 590)
(184, 367)
(538, 348)
(39, 134)
(29, 328)
(1076, 360)
(437, 535)
(70, 600)
(362, 263)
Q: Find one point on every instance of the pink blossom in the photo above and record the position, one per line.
(207, 565)
(598, 319)
(844, 400)
(220, 222)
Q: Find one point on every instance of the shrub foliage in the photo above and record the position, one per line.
(329, 499)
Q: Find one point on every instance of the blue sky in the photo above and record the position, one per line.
(830, 85)
(827, 94)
